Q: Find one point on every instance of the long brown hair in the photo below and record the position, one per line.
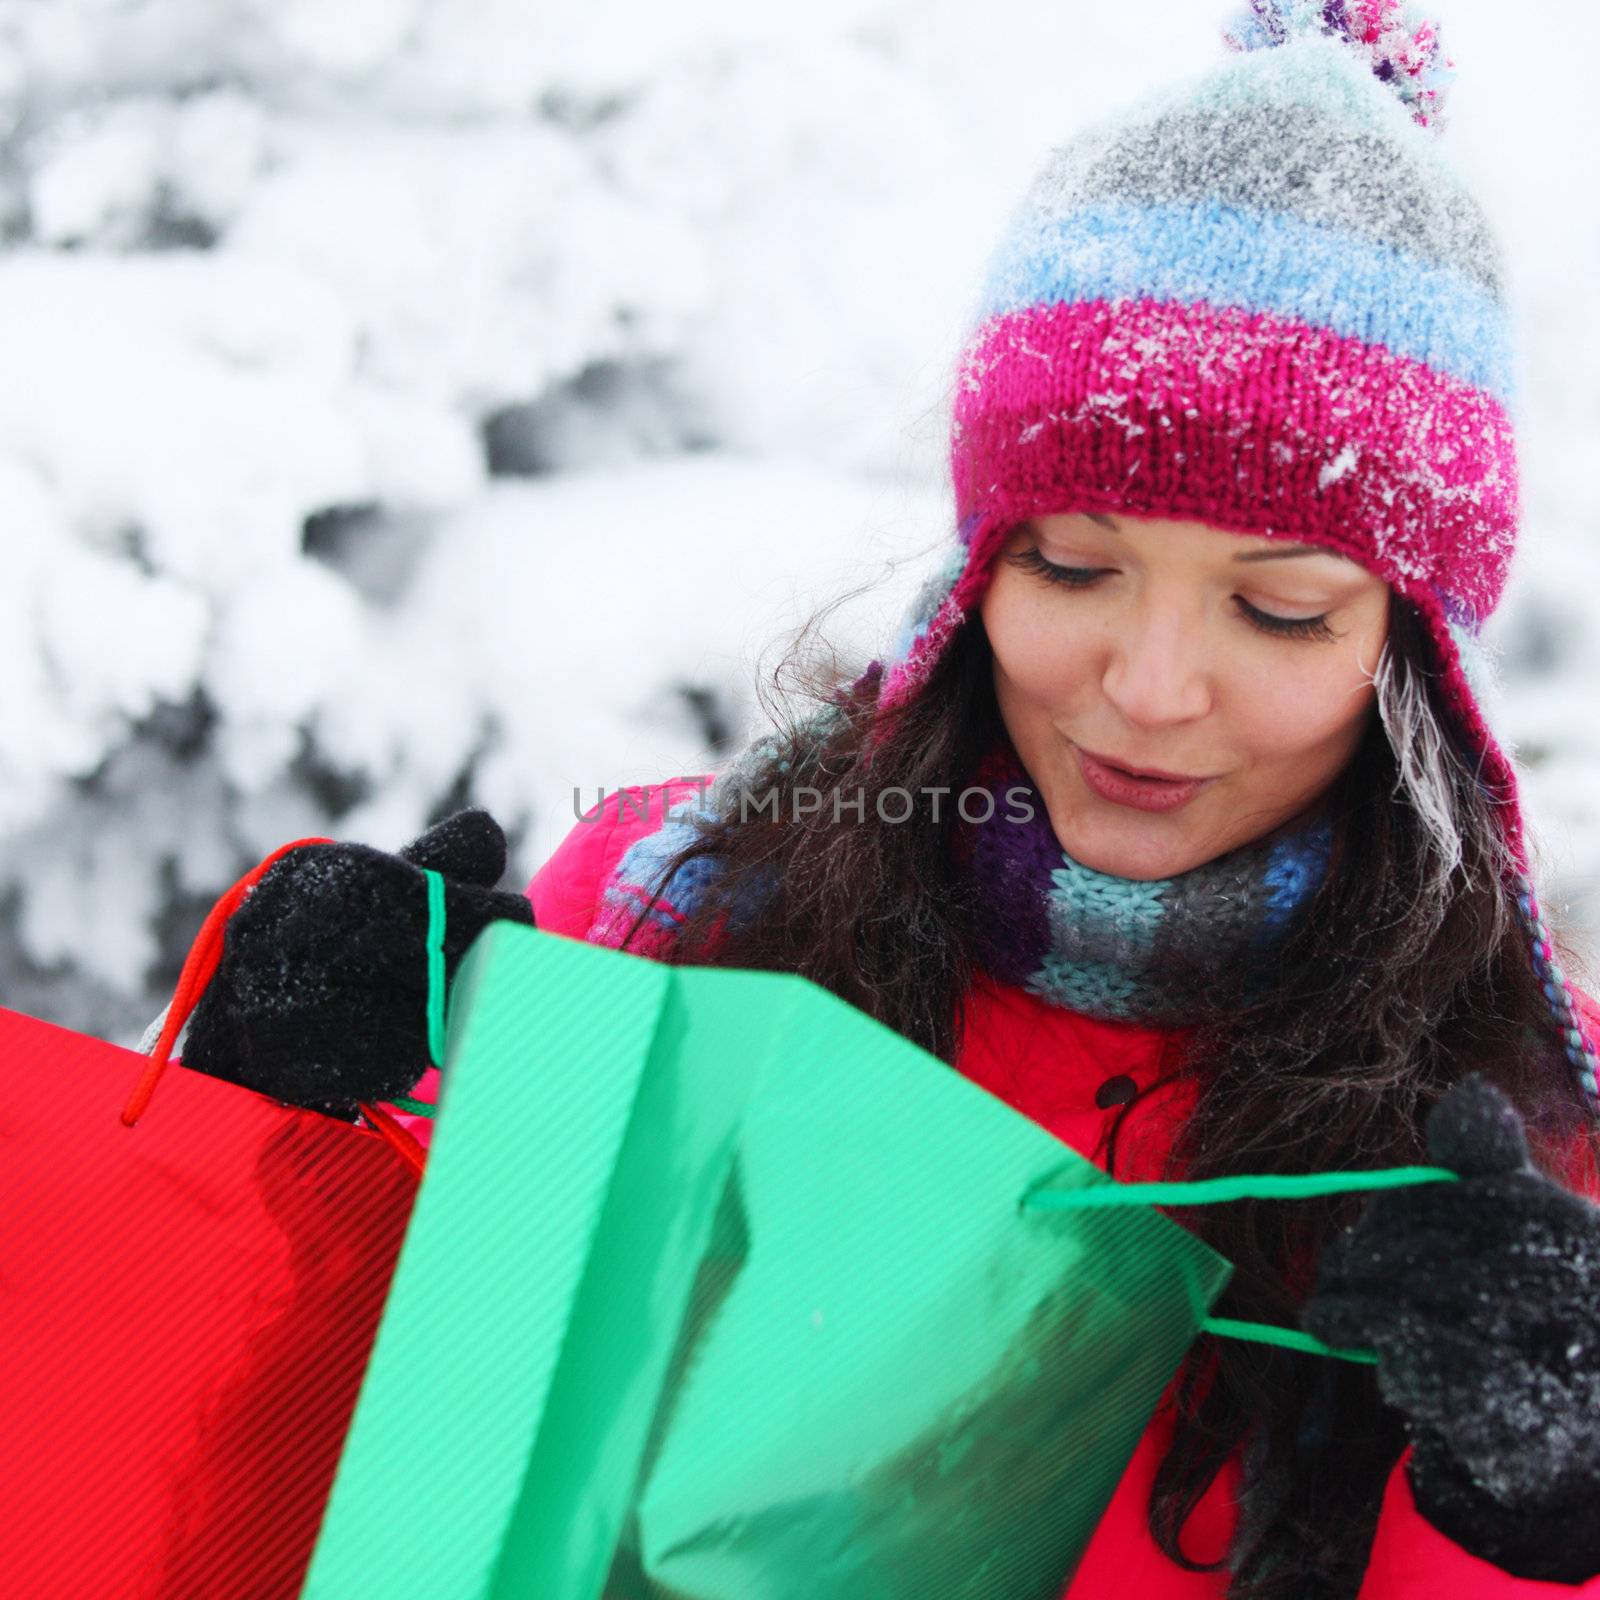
(1408, 971)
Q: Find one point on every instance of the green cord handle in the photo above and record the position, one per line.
(1203, 1191)
(438, 992)
(436, 983)
(1288, 1338)
(1248, 1186)
(418, 1108)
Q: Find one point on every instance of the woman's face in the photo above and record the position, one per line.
(1239, 660)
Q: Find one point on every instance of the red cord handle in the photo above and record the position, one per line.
(205, 955)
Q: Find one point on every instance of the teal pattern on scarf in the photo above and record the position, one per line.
(1159, 951)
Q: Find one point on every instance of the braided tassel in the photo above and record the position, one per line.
(1563, 1010)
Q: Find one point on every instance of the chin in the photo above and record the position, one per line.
(1142, 860)
(1140, 870)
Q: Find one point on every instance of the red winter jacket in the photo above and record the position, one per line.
(1052, 1064)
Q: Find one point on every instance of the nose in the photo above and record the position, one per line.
(1159, 664)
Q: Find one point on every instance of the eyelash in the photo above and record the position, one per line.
(1279, 627)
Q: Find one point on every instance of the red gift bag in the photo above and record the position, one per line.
(191, 1278)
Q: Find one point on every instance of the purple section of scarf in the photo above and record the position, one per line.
(1012, 861)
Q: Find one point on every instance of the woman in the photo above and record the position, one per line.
(1235, 487)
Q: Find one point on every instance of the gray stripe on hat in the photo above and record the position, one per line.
(1291, 159)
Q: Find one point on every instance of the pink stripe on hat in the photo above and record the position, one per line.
(1245, 420)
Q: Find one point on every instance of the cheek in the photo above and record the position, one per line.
(1044, 661)
(1300, 713)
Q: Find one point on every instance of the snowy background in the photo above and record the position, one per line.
(408, 402)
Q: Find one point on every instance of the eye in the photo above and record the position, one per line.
(1287, 627)
(1073, 577)
(1030, 560)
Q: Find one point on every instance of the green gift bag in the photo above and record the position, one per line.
(914, 1387)
(586, 1134)
(718, 1289)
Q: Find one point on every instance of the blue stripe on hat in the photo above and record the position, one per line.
(1259, 261)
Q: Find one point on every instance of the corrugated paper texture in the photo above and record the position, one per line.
(186, 1311)
(718, 1288)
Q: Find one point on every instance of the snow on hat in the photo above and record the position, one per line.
(1264, 300)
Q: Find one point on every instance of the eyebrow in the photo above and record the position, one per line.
(1248, 555)
(1281, 555)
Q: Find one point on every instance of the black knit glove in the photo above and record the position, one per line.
(1482, 1301)
(321, 996)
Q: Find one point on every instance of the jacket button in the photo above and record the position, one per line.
(1117, 1091)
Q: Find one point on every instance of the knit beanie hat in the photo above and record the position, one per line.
(1263, 300)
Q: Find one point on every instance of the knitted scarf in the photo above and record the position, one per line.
(1159, 952)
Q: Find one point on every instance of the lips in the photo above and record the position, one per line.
(1140, 772)
(1142, 794)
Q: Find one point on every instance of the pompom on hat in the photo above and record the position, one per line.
(1263, 300)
